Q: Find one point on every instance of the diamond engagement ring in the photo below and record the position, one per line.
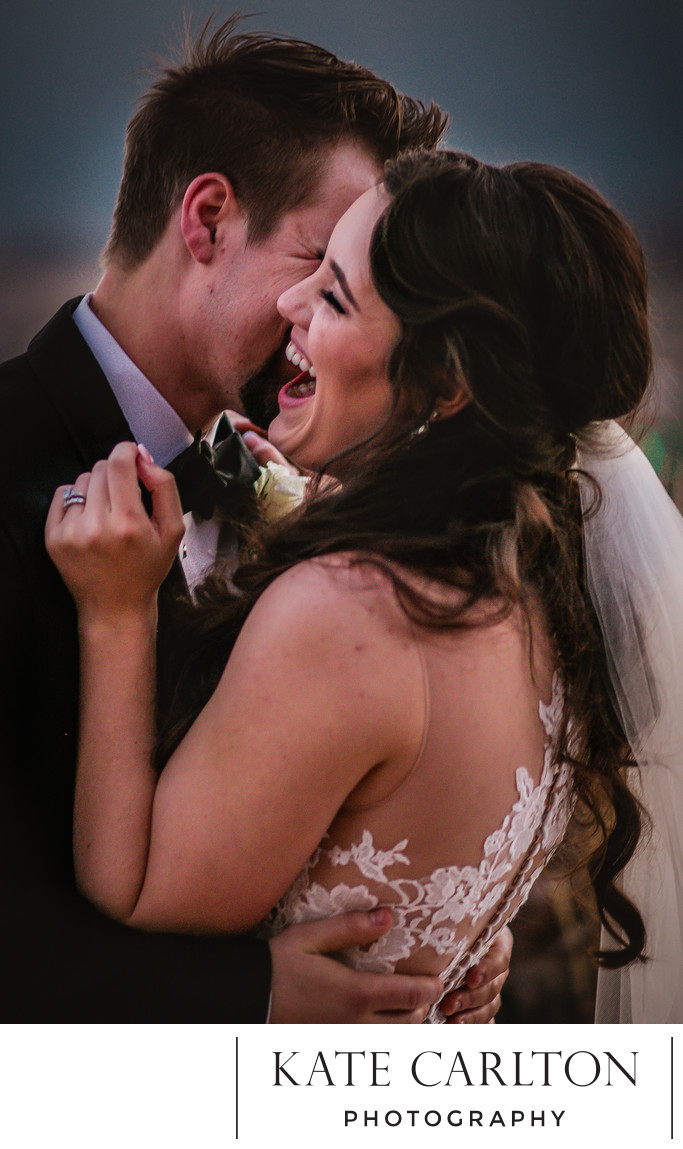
(72, 498)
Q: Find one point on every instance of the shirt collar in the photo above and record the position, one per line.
(151, 419)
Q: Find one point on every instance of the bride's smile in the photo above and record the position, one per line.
(302, 386)
(341, 340)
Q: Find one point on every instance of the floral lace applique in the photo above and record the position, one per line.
(456, 910)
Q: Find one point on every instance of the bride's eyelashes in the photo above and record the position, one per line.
(334, 303)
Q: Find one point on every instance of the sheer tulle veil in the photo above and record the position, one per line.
(634, 564)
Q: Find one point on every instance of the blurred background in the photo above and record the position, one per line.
(592, 85)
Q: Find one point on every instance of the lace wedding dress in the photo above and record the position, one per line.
(450, 915)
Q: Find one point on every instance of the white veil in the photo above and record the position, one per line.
(634, 562)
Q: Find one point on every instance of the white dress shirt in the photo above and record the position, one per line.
(155, 424)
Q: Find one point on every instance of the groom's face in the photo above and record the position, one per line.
(244, 333)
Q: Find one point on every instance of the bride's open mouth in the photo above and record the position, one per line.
(302, 386)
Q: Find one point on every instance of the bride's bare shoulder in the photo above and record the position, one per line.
(336, 632)
(337, 603)
(342, 585)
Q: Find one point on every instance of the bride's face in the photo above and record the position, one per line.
(345, 333)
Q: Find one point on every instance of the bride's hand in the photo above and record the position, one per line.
(256, 439)
(112, 556)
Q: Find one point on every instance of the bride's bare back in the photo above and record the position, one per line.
(454, 836)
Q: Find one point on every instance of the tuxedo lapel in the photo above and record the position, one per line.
(76, 387)
(77, 390)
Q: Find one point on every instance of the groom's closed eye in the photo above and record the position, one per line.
(312, 255)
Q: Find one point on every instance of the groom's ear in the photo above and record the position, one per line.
(210, 213)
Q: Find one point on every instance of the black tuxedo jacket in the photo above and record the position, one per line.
(62, 960)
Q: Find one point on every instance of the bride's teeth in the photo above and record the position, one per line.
(298, 359)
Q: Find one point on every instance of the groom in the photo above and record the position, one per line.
(238, 164)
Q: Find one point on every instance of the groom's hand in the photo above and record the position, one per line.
(478, 1000)
(309, 986)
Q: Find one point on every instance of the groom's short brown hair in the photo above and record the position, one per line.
(263, 110)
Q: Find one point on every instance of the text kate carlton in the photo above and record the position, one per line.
(432, 1068)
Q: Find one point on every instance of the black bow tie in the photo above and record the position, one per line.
(215, 479)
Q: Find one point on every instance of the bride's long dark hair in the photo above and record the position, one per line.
(524, 287)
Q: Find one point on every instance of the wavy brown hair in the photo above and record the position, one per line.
(524, 287)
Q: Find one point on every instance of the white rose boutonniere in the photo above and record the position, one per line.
(279, 490)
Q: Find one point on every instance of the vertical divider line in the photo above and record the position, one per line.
(672, 1088)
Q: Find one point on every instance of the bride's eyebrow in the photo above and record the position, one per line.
(343, 283)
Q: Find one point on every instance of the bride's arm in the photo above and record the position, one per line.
(115, 779)
(113, 558)
(315, 694)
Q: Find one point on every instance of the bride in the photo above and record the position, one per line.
(404, 693)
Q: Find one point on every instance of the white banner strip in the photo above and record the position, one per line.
(340, 1087)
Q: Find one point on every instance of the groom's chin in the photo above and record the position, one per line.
(258, 395)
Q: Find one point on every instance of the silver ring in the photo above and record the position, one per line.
(72, 498)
